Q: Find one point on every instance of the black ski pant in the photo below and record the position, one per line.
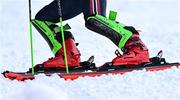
(71, 8)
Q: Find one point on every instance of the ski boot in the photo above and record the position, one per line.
(134, 52)
(52, 34)
(125, 37)
(73, 57)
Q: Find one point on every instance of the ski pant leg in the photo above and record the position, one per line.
(93, 7)
(46, 19)
(98, 7)
(94, 13)
(70, 9)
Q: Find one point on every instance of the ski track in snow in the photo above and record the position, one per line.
(157, 19)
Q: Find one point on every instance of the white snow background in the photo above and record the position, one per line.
(159, 21)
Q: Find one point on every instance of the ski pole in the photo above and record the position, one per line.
(31, 38)
(62, 33)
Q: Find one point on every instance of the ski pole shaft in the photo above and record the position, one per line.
(31, 38)
(62, 33)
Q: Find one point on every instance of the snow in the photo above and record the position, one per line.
(157, 19)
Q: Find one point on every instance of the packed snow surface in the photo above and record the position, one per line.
(159, 21)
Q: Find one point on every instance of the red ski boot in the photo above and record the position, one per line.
(134, 52)
(58, 62)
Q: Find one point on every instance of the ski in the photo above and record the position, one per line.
(88, 68)
(121, 70)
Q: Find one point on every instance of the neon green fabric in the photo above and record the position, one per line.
(43, 26)
(65, 28)
(112, 15)
(118, 27)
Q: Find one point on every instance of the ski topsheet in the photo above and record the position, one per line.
(89, 69)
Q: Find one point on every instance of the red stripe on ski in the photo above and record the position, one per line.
(158, 69)
(161, 68)
(73, 76)
(16, 76)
